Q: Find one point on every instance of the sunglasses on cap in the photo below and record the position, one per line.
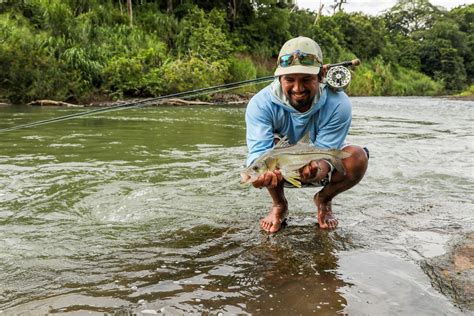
(299, 58)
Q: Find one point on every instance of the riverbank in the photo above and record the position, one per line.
(216, 99)
(208, 99)
(459, 97)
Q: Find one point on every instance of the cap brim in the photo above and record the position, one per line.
(297, 69)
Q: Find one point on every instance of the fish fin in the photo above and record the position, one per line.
(292, 177)
(337, 162)
(344, 154)
(306, 139)
(339, 166)
(283, 143)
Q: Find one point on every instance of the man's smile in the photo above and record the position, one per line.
(300, 95)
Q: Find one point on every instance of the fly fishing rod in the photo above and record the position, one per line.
(145, 102)
(347, 63)
(337, 76)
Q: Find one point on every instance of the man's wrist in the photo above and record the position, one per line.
(331, 166)
(327, 179)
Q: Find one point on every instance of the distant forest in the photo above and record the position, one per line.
(79, 50)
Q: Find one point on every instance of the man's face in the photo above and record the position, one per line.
(300, 89)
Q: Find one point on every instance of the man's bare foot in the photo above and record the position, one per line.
(275, 218)
(326, 219)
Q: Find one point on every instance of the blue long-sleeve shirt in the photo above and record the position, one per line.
(269, 112)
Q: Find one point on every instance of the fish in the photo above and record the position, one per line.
(288, 159)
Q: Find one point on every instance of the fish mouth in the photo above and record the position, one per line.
(246, 178)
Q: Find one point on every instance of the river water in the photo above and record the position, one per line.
(140, 212)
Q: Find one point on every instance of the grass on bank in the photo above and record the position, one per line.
(469, 92)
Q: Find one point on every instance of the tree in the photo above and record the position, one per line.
(338, 4)
(410, 16)
(441, 50)
(404, 51)
(464, 17)
(204, 35)
(363, 35)
(452, 70)
(130, 12)
(268, 30)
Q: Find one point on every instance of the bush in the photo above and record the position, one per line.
(140, 74)
(416, 83)
(378, 78)
(204, 35)
(241, 68)
(192, 73)
(29, 68)
(469, 92)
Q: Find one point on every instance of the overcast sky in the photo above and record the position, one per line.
(372, 7)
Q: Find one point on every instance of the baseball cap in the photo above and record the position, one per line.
(299, 44)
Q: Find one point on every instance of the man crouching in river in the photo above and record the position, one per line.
(294, 104)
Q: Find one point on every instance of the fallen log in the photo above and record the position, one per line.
(53, 103)
(175, 101)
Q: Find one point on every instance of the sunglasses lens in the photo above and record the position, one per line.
(301, 58)
(286, 60)
(305, 59)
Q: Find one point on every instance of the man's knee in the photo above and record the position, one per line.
(357, 163)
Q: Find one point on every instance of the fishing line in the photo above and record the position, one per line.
(336, 72)
(145, 102)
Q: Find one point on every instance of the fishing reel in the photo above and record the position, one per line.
(338, 76)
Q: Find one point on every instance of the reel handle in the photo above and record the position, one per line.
(347, 63)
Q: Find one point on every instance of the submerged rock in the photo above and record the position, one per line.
(453, 272)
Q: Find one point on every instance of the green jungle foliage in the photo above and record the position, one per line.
(469, 92)
(75, 50)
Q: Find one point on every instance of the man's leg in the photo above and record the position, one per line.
(277, 215)
(355, 167)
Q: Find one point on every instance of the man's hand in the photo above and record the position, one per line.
(269, 179)
(315, 171)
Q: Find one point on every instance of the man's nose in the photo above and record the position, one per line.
(298, 86)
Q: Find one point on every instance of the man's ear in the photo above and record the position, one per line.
(323, 72)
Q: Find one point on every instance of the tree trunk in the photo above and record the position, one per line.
(232, 11)
(130, 12)
(338, 4)
(320, 12)
(169, 7)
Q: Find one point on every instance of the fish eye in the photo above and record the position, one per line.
(255, 168)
